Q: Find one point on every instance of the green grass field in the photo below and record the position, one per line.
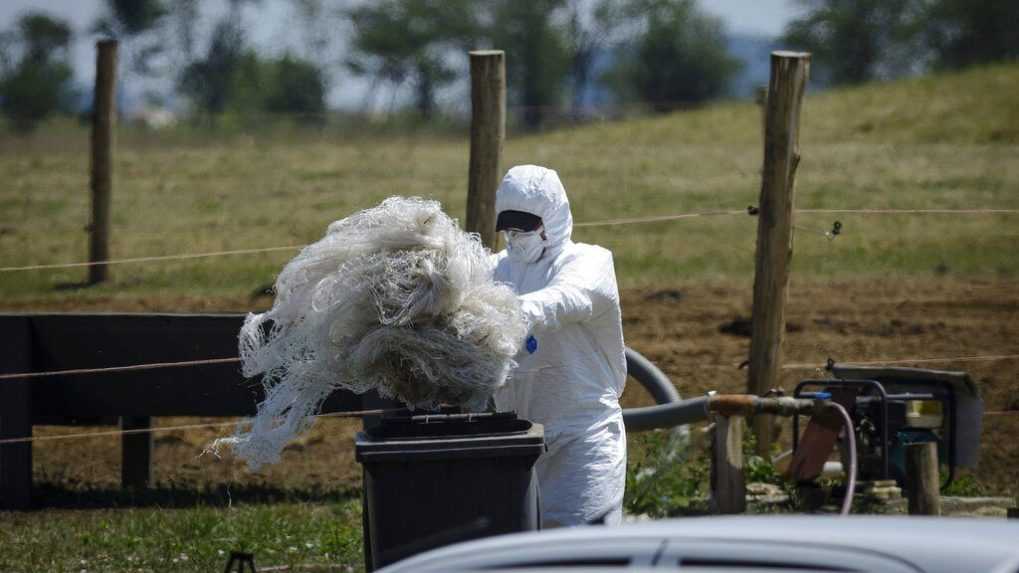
(937, 142)
(945, 142)
(198, 538)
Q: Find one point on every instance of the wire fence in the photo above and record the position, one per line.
(213, 425)
(608, 223)
(588, 224)
(181, 427)
(374, 412)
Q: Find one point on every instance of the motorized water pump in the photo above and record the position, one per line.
(891, 408)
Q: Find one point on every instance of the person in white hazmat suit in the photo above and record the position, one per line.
(572, 369)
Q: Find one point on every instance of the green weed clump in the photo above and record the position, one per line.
(198, 538)
(666, 476)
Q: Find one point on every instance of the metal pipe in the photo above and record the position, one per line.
(671, 411)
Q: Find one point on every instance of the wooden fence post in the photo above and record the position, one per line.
(789, 71)
(761, 99)
(924, 482)
(488, 130)
(728, 483)
(136, 453)
(15, 413)
(103, 122)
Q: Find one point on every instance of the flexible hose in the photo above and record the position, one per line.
(671, 415)
(650, 377)
(670, 410)
(847, 503)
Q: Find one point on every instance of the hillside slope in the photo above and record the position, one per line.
(945, 141)
(980, 105)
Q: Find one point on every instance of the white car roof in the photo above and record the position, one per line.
(928, 544)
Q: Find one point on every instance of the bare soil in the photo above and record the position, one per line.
(692, 331)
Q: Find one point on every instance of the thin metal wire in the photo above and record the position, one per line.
(208, 361)
(351, 414)
(151, 259)
(824, 234)
(658, 218)
(992, 357)
(161, 429)
(602, 223)
(129, 368)
(910, 211)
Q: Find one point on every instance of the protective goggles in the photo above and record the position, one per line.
(517, 234)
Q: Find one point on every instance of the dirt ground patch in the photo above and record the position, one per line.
(680, 328)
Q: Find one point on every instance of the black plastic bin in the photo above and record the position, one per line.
(433, 480)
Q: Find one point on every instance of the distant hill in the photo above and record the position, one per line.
(972, 106)
(752, 52)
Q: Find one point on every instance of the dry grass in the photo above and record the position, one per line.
(194, 194)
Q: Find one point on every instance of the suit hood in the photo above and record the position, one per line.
(538, 190)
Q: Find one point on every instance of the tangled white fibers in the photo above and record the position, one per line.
(395, 298)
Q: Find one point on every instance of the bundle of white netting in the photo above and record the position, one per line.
(397, 299)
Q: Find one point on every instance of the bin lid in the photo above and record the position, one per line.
(444, 436)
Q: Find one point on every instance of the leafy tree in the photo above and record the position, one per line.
(590, 30)
(423, 43)
(854, 41)
(35, 80)
(315, 29)
(229, 71)
(183, 18)
(44, 37)
(231, 78)
(295, 86)
(131, 17)
(401, 41)
(210, 81)
(964, 32)
(537, 54)
(678, 56)
(129, 21)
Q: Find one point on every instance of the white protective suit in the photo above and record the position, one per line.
(573, 367)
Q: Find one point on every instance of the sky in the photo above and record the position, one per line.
(272, 23)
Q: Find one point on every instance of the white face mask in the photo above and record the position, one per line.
(524, 247)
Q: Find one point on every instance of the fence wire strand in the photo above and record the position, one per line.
(588, 224)
(151, 259)
(128, 368)
(657, 218)
(233, 360)
(211, 425)
(82, 435)
(991, 357)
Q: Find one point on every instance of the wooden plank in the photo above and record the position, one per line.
(922, 479)
(136, 453)
(15, 414)
(98, 341)
(103, 123)
(69, 341)
(488, 131)
(789, 71)
(728, 482)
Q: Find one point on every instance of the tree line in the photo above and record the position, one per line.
(856, 41)
(662, 53)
